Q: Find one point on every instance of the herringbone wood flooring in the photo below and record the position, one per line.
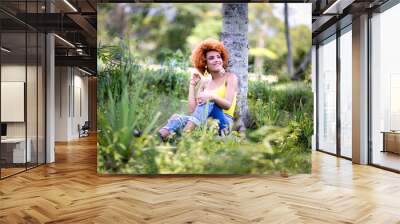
(70, 191)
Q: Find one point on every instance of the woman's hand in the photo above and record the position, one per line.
(195, 78)
(204, 97)
(222, 71)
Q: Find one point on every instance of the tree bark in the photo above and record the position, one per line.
(288, 42)
(234, 36)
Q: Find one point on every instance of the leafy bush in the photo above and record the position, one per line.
(266, 113)
(134, 97)
(287, 96)
(278, 104)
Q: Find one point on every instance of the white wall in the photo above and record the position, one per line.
(61, 103)
(14, 73)
(33, 127)
(71, 94)
(80, 109)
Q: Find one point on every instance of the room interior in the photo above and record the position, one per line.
(345, 186)
(26, 68)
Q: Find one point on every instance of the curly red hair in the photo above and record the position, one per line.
(198, 56)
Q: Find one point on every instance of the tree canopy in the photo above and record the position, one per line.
(157, 31)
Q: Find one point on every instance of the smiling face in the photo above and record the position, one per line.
(214, 61)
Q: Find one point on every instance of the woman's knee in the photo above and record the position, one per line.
(176, 122)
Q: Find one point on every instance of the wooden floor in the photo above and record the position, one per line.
(70, 191)
(10, 171)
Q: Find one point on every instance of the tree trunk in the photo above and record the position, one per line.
(234, 37)
(288, 42)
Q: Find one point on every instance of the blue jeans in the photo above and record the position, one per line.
(200, 116)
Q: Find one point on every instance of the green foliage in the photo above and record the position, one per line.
(134, 97)
(265, 113)
(286, 97)
(143, 61)
(125, 105)
(158, 30)
(301, 37)
(119, 114)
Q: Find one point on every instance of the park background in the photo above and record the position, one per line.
(144, 69)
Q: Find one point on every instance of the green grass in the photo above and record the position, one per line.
(133, 97)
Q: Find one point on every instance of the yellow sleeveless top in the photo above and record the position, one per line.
(221, 91)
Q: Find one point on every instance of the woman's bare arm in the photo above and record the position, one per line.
(194, 80)
(192, 98)
(193, 95)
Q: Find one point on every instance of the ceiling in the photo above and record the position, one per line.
(328, 15)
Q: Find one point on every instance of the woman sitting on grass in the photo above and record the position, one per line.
(216, 97)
